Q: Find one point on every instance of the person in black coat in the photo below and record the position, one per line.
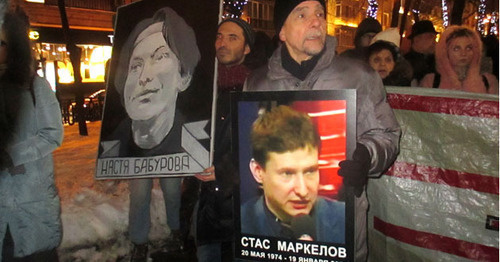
(421, 56)
(214, 215)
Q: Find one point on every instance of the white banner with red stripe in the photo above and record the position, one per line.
(439, 201)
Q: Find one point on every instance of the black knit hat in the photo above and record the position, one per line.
(282, 8)
(421, 27)
(247, 29)
(368, 25)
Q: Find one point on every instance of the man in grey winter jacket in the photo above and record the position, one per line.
(306, 61)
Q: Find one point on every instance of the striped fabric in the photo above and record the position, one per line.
(435, 202)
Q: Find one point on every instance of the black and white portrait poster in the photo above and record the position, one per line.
(290, 203)
(159, 90)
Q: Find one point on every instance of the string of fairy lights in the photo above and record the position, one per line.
(444, 5)
(233, 8)
(486, 23)
(494, 23)
(372, 9)
(481, 10)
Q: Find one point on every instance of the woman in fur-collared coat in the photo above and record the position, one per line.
(30, 223)
(458, 58)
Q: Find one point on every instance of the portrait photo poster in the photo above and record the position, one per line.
(291, 214)
(159, 90)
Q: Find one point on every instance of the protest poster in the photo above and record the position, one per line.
(289, 202)
(159, 90)
(439, 200)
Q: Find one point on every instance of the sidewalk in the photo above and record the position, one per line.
(94, 213)
(74, 161)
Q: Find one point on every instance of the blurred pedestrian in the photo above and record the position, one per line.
(384, 56)
(423, 45)
(30, 218)
(214, 217)
(365, 32)
(458, 56)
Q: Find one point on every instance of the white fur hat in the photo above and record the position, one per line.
(389, 35)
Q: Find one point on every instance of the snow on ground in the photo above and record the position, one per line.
(95, 213)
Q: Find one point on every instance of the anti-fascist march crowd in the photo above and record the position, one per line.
(158, 62)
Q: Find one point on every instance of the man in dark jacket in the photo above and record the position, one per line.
(421, 56)
(231, 49)
(214, 218)
(365, 32)
(306, 60)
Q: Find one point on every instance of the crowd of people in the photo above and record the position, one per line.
(305, 59)
(458, 56)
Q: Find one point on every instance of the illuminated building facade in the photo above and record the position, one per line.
(91, 28)
(259, 13)
(343, 17)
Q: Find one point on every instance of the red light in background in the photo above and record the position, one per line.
(330, 120)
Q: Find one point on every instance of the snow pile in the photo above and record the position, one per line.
(95, 223)
(95, 213)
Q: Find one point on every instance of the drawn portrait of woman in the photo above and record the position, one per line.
(155, 64)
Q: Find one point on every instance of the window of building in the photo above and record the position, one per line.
(54, 57)
(385, 20)
(87, 4)
(258, 10)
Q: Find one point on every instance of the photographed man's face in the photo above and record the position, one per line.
(290, 181)
(153, 79)
(230, 46)
(304, 31)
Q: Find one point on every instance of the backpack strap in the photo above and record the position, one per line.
(486, 83)
(32, 90)
(437, 80)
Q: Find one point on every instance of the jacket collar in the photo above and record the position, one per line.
(276, 70)
(301, 70)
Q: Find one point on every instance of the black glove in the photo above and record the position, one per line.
(17, 170)
(355, 171)
(5, 160)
